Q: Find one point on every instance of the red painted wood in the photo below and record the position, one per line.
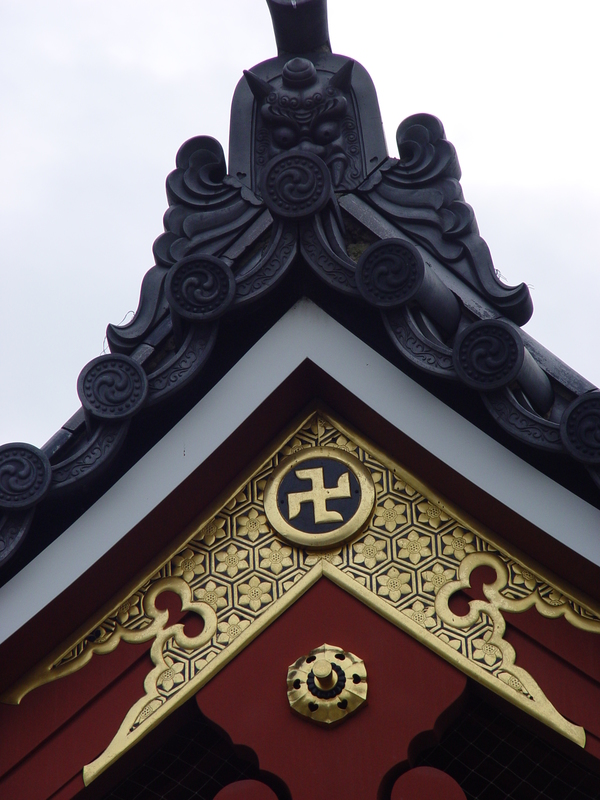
(98, 585)
(44, 711)
(573, 693)
(64, 725)
(409, 687)
(426, 783)
(246, 790)
(580, 648)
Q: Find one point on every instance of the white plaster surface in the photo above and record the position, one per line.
(304, 332)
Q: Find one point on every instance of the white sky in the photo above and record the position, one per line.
(96, 96)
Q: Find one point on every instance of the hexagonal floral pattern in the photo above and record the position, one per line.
(235, 568)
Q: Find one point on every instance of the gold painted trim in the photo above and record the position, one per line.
(232, 569)
(345, 531)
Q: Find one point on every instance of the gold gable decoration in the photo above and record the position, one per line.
(239, 575)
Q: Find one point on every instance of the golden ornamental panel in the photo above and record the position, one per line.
(412, 553)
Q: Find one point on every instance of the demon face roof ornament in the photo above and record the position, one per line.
(307, 100)
(310, 204)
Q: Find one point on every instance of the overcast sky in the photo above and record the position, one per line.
(97, 96)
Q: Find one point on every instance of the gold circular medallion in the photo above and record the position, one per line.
(319, 496)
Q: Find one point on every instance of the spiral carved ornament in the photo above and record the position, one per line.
(112, 387)
(25, 475)
(295, 185)
(200, 288)
(390, 273)
(488, 355)
(580, 428)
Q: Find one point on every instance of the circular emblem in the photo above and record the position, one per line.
(319, 496)
(296, 185)
(25, 475)
(327, 685)
(112, 387)
(200, 288)
(390, 273)
(580, 428)
(488, 355)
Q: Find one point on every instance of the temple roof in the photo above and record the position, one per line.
(439, 315)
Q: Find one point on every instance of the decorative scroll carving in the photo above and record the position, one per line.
(112, 387)
(426, 353)
(94, 454)
(207, 208)
(335, 270)
(24, 476)
(234, 571)
(255, 280)
(521, 423)
(422, 196)
(176, 371)
(13, 529)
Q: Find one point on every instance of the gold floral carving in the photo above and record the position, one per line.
(233, 570)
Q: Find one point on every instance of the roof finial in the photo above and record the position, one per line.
(300, 25)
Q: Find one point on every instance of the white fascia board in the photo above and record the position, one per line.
(305, 332)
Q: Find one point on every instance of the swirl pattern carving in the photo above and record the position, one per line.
(390, 273)
(488, 355)
(13, 529)
(200, 288)
(296, 185)
(580, 428)
(25, 475)
(112, 387)
(431, 356)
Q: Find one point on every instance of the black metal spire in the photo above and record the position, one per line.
(300, 25)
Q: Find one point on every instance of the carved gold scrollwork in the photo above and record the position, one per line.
(413, 553)
(107, 637)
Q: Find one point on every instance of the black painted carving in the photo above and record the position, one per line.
(208, 209)
(305, 129)
(152, 308)
(580, 428)
(490, 355)
(422, 196)
(112, 387)
(336, 270)
(425, 352)
(200, 288)
(295, 185)
(521, 423)
(13, 529)
(312, 110)
(176, 371)
(392, 272)
(24, 476)
(261, 274)
(92, 456)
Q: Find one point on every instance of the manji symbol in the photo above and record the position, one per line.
(318, 495)
(349, 481)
